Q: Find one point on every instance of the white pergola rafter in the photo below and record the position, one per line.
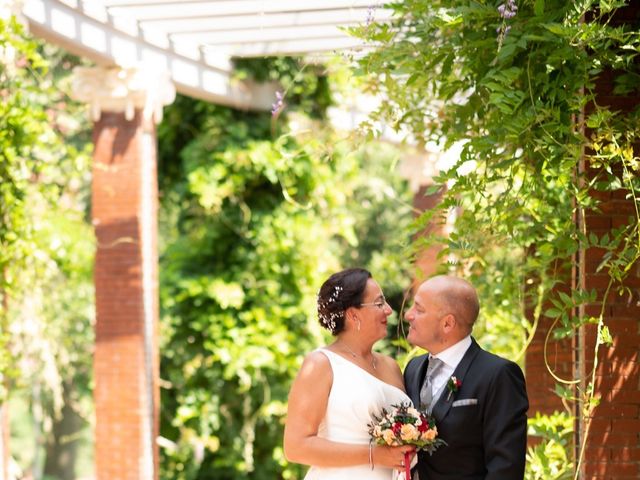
(230, 37)
(289, 47)
(195, 41)
(146, 10)
(261, 21)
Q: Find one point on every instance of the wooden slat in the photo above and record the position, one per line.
(289, 47)
(269, 20)
(257, 35)
(163, 11)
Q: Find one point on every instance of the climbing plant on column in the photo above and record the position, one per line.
(513, 84)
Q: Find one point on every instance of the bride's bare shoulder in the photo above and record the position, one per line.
(388, 361)
(315, 362)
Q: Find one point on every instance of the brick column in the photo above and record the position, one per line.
(124, 210)
(419, 170)
(613, 442)
(427, 260)
(540, 383)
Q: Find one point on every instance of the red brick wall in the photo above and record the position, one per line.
(126, 354)
(540, 383)
(613, 441)
(427, 261)
(613, 447)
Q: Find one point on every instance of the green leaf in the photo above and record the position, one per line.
(604, 336)
(564, 392)
(552, 313)
(432, 189)
(566, 299)
(227, 294)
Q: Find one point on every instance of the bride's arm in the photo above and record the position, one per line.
(307, 406)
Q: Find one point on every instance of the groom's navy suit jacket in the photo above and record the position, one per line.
(484, 423)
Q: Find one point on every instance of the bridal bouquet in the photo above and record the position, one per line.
(404, 425)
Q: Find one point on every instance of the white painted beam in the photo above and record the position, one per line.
(223, 8)
(270, 20)
(86, 36)
(289, 47)
(262, 35)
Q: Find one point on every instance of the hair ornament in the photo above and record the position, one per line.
(327, 318)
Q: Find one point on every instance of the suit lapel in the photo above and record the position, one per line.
(443, 404)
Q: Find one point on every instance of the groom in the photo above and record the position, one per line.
(481, 414)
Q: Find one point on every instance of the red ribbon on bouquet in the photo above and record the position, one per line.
(407, 466)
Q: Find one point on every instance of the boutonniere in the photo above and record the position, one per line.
(453, 385)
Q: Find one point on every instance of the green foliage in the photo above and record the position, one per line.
(46, 243)
(381, 211)
(22, 131)
(252, 222)
(550, 457)
(306, 87)
(538, 149)
(52, 331)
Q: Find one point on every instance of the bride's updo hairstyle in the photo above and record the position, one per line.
(340, 291)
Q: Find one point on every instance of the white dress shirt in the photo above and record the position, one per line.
(450, 357)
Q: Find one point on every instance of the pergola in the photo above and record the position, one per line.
(194, 41)
(145, 51)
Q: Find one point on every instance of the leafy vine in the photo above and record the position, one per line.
(516, 85)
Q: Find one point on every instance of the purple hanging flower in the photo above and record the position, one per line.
(508, 10)
(371, 12)
(277, 107)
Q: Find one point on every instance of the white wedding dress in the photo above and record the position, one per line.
(355, 395)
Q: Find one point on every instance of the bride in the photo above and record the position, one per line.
(339, 387)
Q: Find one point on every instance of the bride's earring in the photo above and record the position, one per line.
(358, 324)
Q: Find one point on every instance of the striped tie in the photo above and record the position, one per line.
(426, 392)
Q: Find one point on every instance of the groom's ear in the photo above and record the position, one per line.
(449, 322)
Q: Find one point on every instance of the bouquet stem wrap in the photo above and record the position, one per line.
(407, 466)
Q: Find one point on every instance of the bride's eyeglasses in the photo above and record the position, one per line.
(378, 303)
